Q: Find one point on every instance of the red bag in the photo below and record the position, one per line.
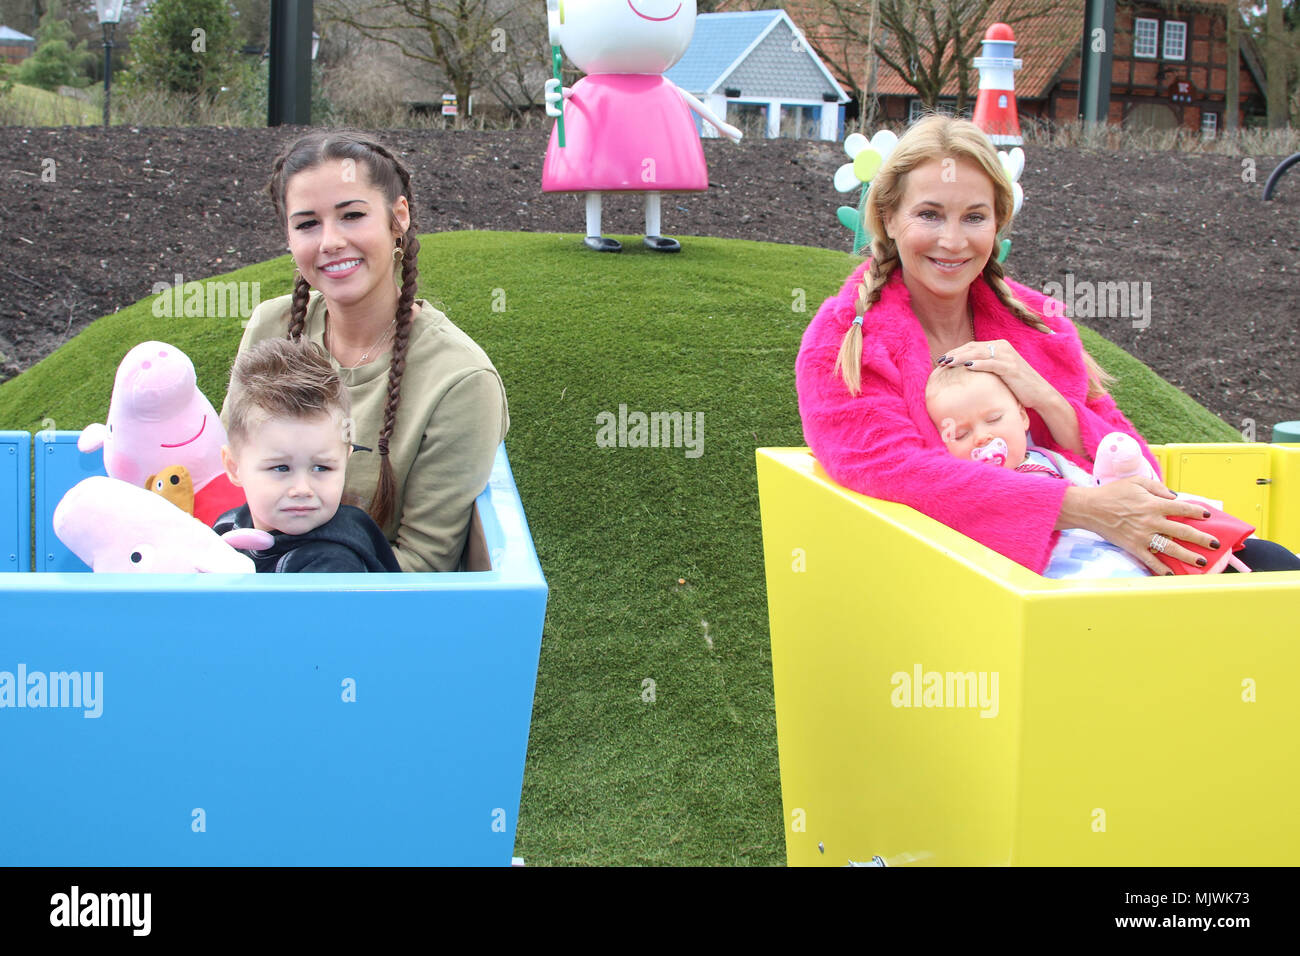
(1230, 532)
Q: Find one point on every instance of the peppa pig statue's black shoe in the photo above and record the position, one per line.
(662, 244)
(601, 244)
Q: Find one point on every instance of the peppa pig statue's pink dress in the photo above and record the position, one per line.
(625, 131)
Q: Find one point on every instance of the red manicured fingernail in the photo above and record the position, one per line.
(1205, 514)
(1200, 562)
(1214, 545)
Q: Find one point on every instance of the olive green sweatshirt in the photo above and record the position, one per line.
(451, 418)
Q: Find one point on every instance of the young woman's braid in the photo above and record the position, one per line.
(385, 498)
(301, 288)
(298, 306)
(884, 259)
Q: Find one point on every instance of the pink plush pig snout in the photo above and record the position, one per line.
(155, 381)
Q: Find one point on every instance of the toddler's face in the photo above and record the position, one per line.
(292, 472)
(976, 409)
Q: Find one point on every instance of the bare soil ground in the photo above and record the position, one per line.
(127, 208)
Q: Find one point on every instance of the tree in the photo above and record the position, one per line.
(928, 44)
(21, 15)
(1276, 30)
(252, 22)
(1275, 65)
(519, 58)
(56, 61)
(186, 46)
(454, 36)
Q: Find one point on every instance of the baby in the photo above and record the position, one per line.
(980, 419)
(289, 441)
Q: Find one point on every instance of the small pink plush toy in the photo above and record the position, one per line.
(1118, 456)
(158, 419)
(118, 528)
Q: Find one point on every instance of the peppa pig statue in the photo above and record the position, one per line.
(625, 126)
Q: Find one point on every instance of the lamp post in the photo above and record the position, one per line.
(110, 12)
(289, 93)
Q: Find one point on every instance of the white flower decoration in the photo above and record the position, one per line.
(867, 155)
(1013, 164)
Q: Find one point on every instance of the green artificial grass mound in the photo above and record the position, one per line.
(653, 737)
(739, 297)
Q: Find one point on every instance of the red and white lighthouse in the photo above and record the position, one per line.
(995, 109)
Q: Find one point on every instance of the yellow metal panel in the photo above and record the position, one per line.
(1231, 473)
(1284, 496)
(1160, 727)
(1122, 733)
(848, 754)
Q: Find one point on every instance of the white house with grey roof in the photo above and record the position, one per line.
(757, 64)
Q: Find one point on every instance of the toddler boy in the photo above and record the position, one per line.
(288, 444)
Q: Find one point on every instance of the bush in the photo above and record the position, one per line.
(169, 53)
(56, 62)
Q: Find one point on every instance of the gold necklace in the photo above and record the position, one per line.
(970, 322)
(366, 354)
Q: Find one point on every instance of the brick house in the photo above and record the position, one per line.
(15, 46)
(1169, 65)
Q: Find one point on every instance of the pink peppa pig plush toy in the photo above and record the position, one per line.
(1118, 456)
(159, 420)
(114, 526)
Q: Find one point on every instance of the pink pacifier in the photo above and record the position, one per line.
(993, 451)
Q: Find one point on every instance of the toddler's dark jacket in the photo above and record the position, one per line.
(350, 541)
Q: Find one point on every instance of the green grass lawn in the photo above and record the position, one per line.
(612, 778)
(31, 106)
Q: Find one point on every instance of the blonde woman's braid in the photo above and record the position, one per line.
(1098, 377)
(996, 276)
(848, 363)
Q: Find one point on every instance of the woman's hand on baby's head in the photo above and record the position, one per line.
(1001, 358)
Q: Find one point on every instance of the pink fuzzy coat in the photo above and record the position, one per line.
(882, 442)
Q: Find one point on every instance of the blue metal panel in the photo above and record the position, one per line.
(59, 466)
(15, 501)
(221, 698)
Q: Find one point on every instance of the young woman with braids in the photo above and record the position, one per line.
(934, 293)
(425, 397)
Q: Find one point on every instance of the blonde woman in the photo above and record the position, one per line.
(934, 293)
